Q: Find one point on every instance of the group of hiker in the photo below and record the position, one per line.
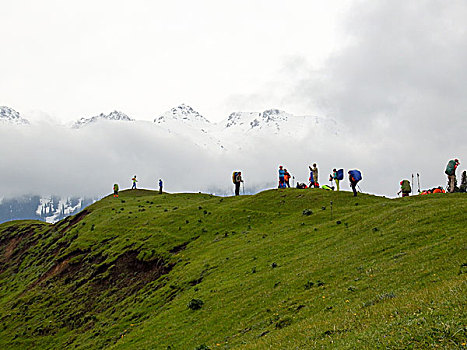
(355, 176)
(336, 176)
(406, 188)
(284, 177)
(133, 186)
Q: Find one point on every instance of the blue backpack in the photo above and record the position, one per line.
(356, 174)
(340, 174)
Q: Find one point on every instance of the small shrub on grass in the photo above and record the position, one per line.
(286, 321)
(202, 347)
(195, 304)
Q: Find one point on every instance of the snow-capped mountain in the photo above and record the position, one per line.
(185, 122)
(52, 209)
(9, 115)
(228, 134)
(49, 208)
(271, 119)
(182, 114)
(274, 121)
(115, 116)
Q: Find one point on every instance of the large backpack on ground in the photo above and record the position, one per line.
(405, 186)
(451, 167)
(234, 177)
(356, 174)
(340, 174)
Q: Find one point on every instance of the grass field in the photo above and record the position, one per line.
(283, 269)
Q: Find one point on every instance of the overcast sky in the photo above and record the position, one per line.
(79, 58)
(391, 72)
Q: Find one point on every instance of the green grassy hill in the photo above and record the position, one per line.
(277, 270)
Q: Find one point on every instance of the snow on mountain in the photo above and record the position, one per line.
(185, 122)
(184, 114)
(9, 115)
(228, 134)
(276, 122)
(45, 208)
(271, 119)
(52, 209)
(114, 116)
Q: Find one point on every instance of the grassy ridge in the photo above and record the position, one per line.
(379, 273)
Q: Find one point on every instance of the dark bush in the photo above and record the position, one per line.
(195, 304)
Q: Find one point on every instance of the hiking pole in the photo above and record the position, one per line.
(359, 189)
(243, 185)
(418, 181)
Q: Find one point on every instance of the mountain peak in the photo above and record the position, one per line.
(183, 113)
(8, 114)
(251, 120)
(115, 115)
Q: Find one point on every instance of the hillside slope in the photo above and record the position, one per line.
(275, 270)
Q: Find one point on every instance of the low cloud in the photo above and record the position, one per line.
(48, 159)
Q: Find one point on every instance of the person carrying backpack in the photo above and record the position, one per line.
(237, 180)
(134, 183)
(337, 175)
(281, 177)
(160, 186)
(287, 177)
(451, 173)
(354, 177)
(314, 171)
(115, 190)
(405, 188)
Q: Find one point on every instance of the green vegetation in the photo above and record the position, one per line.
(277, 270)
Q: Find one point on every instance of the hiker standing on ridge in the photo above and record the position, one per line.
(160, 186)
(281, 177)
(314, 170)
(451, 173)
(337, 175)
(134, 183)
(405, 188)
(463, 186)
(354, 177)
(237, 181)
(115, 190)
(286, 178)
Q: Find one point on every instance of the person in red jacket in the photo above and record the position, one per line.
(286, 177)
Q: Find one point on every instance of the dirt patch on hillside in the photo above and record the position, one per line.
(15, 243)
(10, 248)
(130, 273)
(63, 267)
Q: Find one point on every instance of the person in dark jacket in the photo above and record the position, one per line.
(451, 173)
(160, 186)
(238, 180)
